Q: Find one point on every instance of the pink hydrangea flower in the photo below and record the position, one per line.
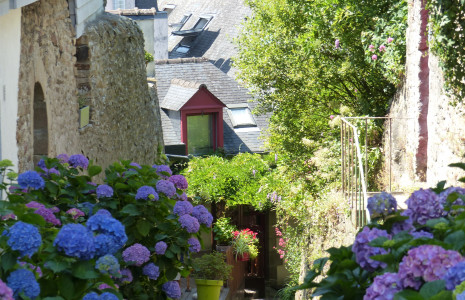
(371, 48)
(390, 40)
(382, 48)
(374, 57)
(331, 117)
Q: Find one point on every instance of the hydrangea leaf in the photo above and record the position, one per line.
(65, 286)
(408, 295)
(84, 270)
(34, 219)
(456, 239)
(94, 170)
(8, 261)
(130, 209)
(56, 266)
(171, 273)
(432, 288)
(143, 227)
(54, 298)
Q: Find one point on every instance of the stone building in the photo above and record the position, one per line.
(427, 130)
(73, 81)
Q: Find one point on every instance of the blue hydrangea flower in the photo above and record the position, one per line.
(31, 179)
(137, 254)
(364, 252)
(104, 212)
(382, 204)
(108, 264)
(152, 271)
(194, 245)
(384, 287)
(23, 281)
(108, 296)
(182, 197)
(179, 181)
(144, 192)
(75, 240)
(162, 170)
(172, 289)
(160, 248)
(24, 238)
(166, 187)
(421, 234)
(183, 208)
(41, 164)
(424, 205)
(455, 276)
(406, 225)
(105, 244)
(5, 292)
(104, 191)
(91, 296)
(203, 215)
(427, 262)
(87, 206)
(101, 222)
(189, 223)
(134, 164)
(78, 160)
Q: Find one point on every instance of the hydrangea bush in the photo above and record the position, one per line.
(418, 253)
(122, 238)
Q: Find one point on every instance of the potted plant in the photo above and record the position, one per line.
(245, 244)
(209, 271)
(223, 230)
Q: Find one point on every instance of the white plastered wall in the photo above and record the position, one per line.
(10, 49)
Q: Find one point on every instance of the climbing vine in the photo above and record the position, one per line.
(447, 18)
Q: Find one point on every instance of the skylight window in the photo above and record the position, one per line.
(180, 24)
(241, 117)
(182, 49)
(202, 22)
(169, 8)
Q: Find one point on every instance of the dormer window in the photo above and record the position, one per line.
(241, 116)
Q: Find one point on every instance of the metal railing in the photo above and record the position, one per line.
(355, 167)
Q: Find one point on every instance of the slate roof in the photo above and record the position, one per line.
(225, 88)
(215, 41)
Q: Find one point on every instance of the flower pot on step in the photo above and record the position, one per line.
(208, 289)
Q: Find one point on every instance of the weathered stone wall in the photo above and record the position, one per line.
(110, 79)
(421, 114)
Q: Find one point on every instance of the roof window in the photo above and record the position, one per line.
(180, 24)
(202, 22)
(241, 116)
(169, 8)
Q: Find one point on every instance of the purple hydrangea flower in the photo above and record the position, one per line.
(5, 292)
(75, 213)
(421, 234)
(166, 187)
(104, 212)
(194, 245)
(444, 194)
(144, 192)
(384, 287)
(104, 191)
(160, 248)
(34, 204)
(31, 179)
(423, 205)
(63, 158)
(136, 254)
(382, 204)
(134, 164)
(203, 215)
(336, 44)
(163, 169)
(152, 271)
(78, 160)
(23, 281)
(31, 267)
(427, 262)
(455, 275)
(24, 238)
(126, 276)
(172, 289)
(104, 286)
(189, 223)
(183, 208)
(179, 181)
(41, 164)
(48, 215)
(363, 251)
(182, 197)
(107, 264)
(75, 240)
(406, 225)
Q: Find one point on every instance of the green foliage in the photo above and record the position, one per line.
(288, 58)
(242, 180)
(148, 57)
(212, 266)
(223, 230)
(447, 18)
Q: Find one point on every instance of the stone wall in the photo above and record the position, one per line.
(109, 76)
(425, 126)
